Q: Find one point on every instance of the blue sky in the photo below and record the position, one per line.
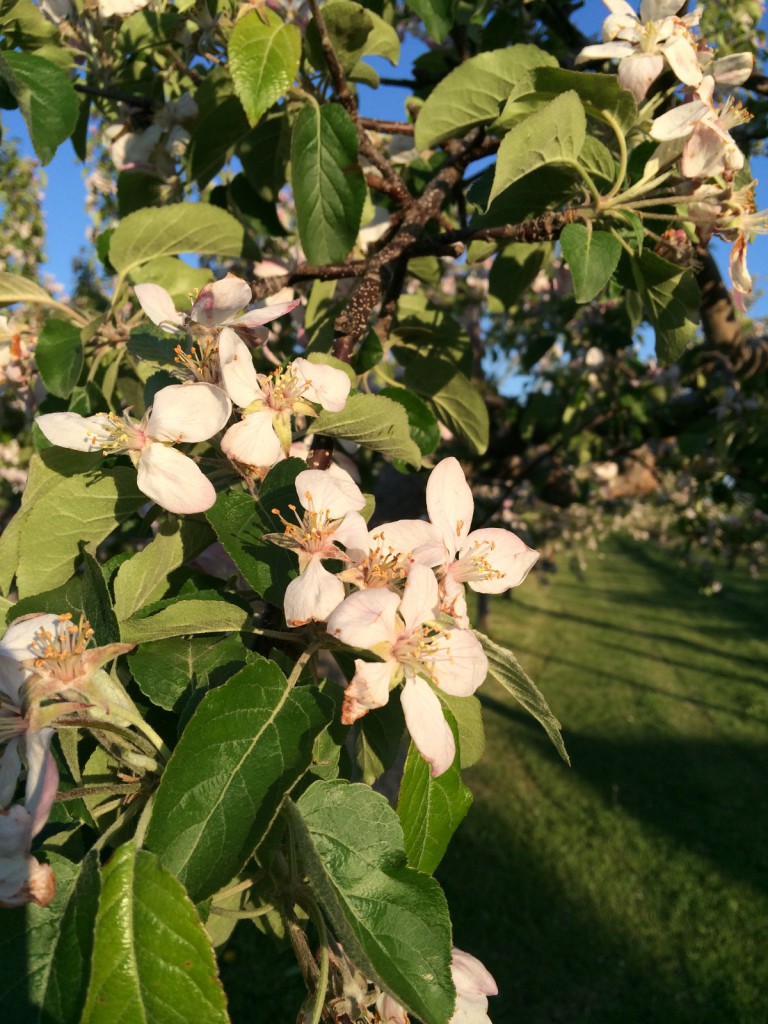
(65, 193)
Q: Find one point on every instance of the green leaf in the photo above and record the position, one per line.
(392, 920)
(67, 510)
(165, 669)
(46, 99)
(592, 258)
(214, 138)
(598, 160)
(328, 184)
(514, 270)
(264, 154)
(176, 276)
(152, 959)
(437, 16)
(382, 41)
(473, 92)
(457, 402)
(553, 135)
(430, 810)
(243, 750)
(143, 578)
(348, 25)
(672, 302)
(467, 713)
(97, 605)
(378, 736)
(185, 618)
(504, 667)
(45, 952)
(424, 428)
(600, 94)
(374, 422)
(240, 522)
(59, 356)
(264, 55)
(172, 230)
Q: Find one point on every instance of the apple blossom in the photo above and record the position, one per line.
(643, 44)
(217, 305)
(489, 560)
(332, 504)
(180, 413)
(263, 436)
(384, 556)
(474, 984)
(405, 634)
(22, 878)
(708, 149)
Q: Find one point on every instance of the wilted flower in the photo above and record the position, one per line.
(473, 986)
(180, 413)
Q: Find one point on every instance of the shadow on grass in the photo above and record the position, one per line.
(555, 960)
(703, 794)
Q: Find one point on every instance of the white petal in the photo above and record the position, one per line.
(506, 553)
(253, 441)
(237, 370)
(426, 723)
(605, 51)
(218, 302)
(15, 648)
(678, 123)
(421, 601)
(353, 534)
(469, 975)
(637, 72)
(411, 537)
(366, 619)
(368, 689)
(737, 265)
(320, 492)
(459, 664)
(15, 825)
(188, 412)
(680, 53)
(42, 777)
(68, 430)
(174, 481)
(450, 503)
(312, 596)
(734, 69)
(706, 153)
(328, 387)
(264, 314)
(158, 305)
(655, 10)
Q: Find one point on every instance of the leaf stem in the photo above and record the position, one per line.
(322, 980)
(293, 678)
(611, 120)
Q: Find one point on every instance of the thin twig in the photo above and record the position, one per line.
(374, 124)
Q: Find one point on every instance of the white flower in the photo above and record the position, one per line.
(490, 560)
(263, 436)
(473, 986)
(643, 44)
(217, 305)
(708, 149)
(120, 8)
(405, 635)
(22, 878)
(181, 413)
(332, 504)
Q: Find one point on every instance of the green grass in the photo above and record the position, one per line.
(630, 888)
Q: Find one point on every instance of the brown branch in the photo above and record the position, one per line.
(388, 187)
(118, 95)
(373, 124)
(344, 93)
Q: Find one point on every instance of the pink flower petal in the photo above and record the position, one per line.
(264, 314)
(503, 552)
(68, 430)
(637, 72)
(450, 503)
(458, 664)
(470, 976)
(421, 601)
(237, 370)
(218, 302)
(368, 689)
(328, 387)
(367, 619)
(335, 496)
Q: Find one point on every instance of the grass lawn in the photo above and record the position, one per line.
(632, 886)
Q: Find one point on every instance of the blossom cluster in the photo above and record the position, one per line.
(698, 131)
(217, 373)
(408, 604)
(48, 674)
